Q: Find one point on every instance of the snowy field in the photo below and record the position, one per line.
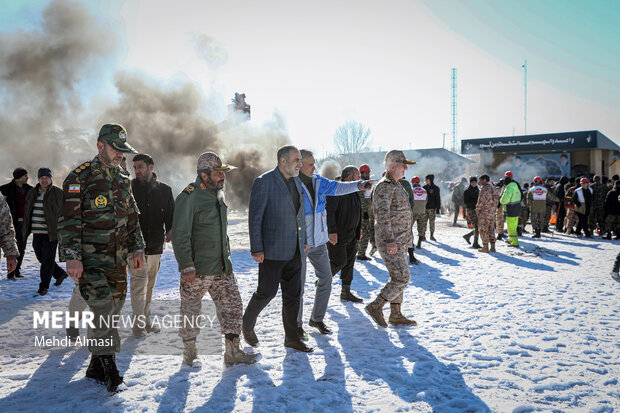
(517, 331)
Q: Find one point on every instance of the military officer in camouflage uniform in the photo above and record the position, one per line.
(98, 227)
(486, 208)
(368, 220)
(393, 235)
(7, 236)
(201, 247)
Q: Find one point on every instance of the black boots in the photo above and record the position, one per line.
(111, 376)
(433, 236)
(475, 244)
(347, 295)
(95, 369)
(412, 259)
(468, 236)
(420, 242)
(536, 233)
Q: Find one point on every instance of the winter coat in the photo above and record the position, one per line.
(52, 200)
(538, 198)
(393, 221)
(583, 200)
(419, 199)
(511, 200)
(200, 230)
(612, 202)
(156, 205)
(10, 192)
(457, 193)
(316, 215)
(434, 198)
(487, 200)
(344, 217)
(470, 196)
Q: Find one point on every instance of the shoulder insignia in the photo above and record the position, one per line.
(189, 188)
(77, 171)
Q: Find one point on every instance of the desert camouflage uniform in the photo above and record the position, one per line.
(392, 211)
(538, 199)
(7, 232)
(99, 226)
(485, 212)
(499, 217)
(597, 213)
(368, 227)
(200, 240)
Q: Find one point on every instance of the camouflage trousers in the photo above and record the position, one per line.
(400, 275)
(472, 219)
(103, 286)
(538, 220)
(525, 215)
(612, 224)
(430, 218)
(570, 220)
(368, 235)
(224, 292)
(499, 220)
(486, 226)
(547, 217)
(597, 216)
(420, 220)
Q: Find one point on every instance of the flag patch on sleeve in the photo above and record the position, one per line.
(74, 188)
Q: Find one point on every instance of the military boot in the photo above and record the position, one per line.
(492, 247)
(536, 233)
(468, 236)
(190, 353)
(234, 355)
(95, 370)
(475, 244)
(500, 236)
(412, 259)
(396, 317)
(419, 246)
(433, 236)
(111, 375)
(485, 247)
(375, 311)
(347, 295)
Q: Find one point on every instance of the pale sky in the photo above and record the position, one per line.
(385, 64)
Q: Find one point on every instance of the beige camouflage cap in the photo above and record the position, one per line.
(396, 156)
(209, 160)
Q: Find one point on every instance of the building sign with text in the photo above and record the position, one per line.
(549, 142)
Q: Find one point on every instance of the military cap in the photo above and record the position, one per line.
(116, 136)
(396, 156)
(210, 161)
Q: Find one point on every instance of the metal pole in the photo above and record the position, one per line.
(524, 66)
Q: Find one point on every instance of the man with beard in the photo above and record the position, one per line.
(201, 247)
(98, 228)
(277, 228)
(156, 205)
(393, 235)
(485, 211)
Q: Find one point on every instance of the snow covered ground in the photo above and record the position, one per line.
(517, 331)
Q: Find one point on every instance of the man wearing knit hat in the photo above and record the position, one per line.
(15, 193)
(41, 218)
(201, 247)
(97, 230)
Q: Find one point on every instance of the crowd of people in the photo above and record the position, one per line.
(106, 225)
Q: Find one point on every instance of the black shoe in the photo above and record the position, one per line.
(433, 237)
(467, 237)
(319, 325)
(250, 337)
(347, 295)
(476, 245)
(500, 237)
(12, 277)
(363, 258)
(95, 369)
(302, 334)
(298, 345)
(19, 275)
(413, 260)
(111, 375)
(61, 279)
(41, 292)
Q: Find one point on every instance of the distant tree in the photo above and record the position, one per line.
(352, 137)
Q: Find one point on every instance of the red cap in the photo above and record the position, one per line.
(538, 179)
(364, 168)
(415, 180)
(584, 181)
(508, 174)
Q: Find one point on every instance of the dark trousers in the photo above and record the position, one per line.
(272, 273)
(21, 246)
(582, 223)
(342, 258)
(457, 208)
(559, 223)
(45, 250)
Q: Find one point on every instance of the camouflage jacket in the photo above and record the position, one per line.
(599, 192)
(392, 210)
(98, 216)
(366, 206)
(7, 232)
(487, 200)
